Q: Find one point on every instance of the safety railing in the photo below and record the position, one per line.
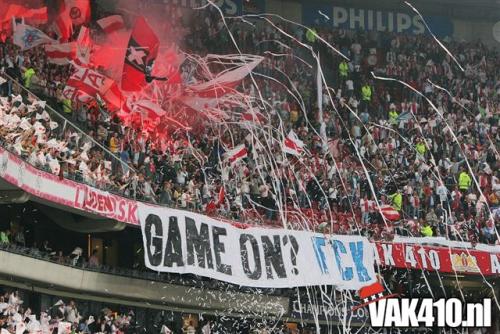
(65, 127)
(138, 273)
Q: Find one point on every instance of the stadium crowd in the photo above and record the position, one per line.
(16, 317)
(65, 317)
(386, 143)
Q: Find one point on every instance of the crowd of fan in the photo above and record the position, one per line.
(65, 318)
(438, 168)
(16, 317)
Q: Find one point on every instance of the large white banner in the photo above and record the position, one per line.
(184, 242)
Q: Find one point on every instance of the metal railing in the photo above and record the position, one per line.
(66, 127)
(58, 117)
(138, 273)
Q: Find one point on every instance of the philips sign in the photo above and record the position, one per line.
(373, 20)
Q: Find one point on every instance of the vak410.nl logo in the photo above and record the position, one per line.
(388, 310)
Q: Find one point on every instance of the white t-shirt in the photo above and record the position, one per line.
(181, 177)
(350, 84)
(206, 329)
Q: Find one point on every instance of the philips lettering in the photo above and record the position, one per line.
(374, 20)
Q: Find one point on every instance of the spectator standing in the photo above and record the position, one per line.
(93, 259)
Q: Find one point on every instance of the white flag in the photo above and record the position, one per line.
(64, 327)
(27, 37)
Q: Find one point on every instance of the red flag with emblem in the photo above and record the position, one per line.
(63, 26)
(78, 11)
(142, 51)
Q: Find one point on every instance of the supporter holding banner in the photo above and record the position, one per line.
(185, 242)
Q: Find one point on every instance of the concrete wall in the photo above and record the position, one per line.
(472, 30)
(288, 9)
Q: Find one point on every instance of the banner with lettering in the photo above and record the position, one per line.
(366, 19)
(184, 242)
(445, 260)
(65, 192)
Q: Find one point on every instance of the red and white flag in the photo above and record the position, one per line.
(83, 46)
(236, 154)
(225, 82)
(20, 327)
(92, 83)
(74, 94)
(112, 23)
(253, 117)
(293, 145)
(61, 54)
(64, 327)
(149, 109)
(390, 213)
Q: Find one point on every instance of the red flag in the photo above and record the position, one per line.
(32, 16)
(111, 24)
(108, 54)
(141, 53)
(64, 53)
(211, 208)
(222, 195)
(78, 11)
(113, 97)
(63, 26)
